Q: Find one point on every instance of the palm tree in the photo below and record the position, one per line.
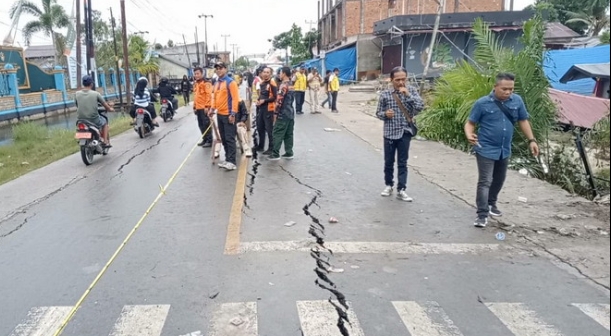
(49, 19)
(138, 50)
(594, 15)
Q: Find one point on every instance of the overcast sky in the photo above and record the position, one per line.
(250, 23)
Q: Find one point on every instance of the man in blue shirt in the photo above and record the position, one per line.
(495, 116)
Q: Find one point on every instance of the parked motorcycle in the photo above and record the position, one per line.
(90, 139)
(144, 122)
(167, 109)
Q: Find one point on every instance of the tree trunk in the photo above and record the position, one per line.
(54, 48)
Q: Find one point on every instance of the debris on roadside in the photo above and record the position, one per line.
(333, 220)
(328, 129)
(335, 270)
(236, 321)
(289, 224)
(523, 199)
(566, 217)
(214, 295)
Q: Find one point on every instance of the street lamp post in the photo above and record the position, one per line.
(205, 16)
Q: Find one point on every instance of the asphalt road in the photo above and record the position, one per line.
(219, 255)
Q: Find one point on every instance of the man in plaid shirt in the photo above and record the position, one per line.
(393, 106)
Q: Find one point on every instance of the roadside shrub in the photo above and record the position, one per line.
(28, 131)
(457, 90)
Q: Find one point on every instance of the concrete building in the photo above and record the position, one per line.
(345, 23)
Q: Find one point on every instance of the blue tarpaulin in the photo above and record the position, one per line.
(345, 61)
(558, 62)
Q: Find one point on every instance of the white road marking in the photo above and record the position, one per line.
(369, 247)
(521, 320)
(235, 319)
(598, 312)
(425, 321)
(141, 320)
(320, 318)
(42, 321)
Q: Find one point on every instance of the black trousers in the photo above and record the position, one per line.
(228, 133)
(492, 174)
(186, 96)
(299, 100)
(203, 122)
(334, 101)
(265, 126)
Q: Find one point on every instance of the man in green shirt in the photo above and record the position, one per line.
(86, 101)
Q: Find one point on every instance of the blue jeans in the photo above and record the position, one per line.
(400, 149)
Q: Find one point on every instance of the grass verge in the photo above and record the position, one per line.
(35, 146)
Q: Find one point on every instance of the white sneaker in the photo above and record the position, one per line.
(403, 196)
(222, 164)
(248, 153)
(230, 166)
(387, 191)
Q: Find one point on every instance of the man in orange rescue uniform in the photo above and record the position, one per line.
(202, 102)
(225, 100)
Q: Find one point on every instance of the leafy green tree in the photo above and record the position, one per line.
(604, 38)
(457, 90)
(48, 19)
(593, 14)
(293, 39)
(242, 63)
(170, 44)
(102, 30)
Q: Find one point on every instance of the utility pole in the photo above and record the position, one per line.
(311, 23)
(86, 12)
(125, 53)
(187, 52)
(206, 16)
(114, 41)
(429, 56)
(197, 48)
(225, 37)
(79, 60)
(233, 45)
(90, 45)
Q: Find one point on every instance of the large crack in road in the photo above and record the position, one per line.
(157, 143)
(322, 257)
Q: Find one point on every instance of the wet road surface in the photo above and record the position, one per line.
(219, 256)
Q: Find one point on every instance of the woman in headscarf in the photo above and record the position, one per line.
(143, 98)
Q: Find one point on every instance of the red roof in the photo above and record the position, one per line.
(582, 111)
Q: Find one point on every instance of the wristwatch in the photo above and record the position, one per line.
(531, 141)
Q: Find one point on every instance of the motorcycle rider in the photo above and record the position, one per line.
(87, 101)
(166, 91)
(143, 98)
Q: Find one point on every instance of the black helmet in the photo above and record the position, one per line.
(164, 80)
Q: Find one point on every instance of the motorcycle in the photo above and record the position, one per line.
(89, 138)
(144, 122)
(167, 109)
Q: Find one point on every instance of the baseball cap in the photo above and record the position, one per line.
(87, 80)
(220, 65)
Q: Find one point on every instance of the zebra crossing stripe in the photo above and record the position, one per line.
(235, 319)
(319, 318)
(427, 320)
(42, 321)
(521, 320)
(141, 320)
(598, 312)
(370, 247)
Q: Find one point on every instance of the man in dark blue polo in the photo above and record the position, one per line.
(495, 116)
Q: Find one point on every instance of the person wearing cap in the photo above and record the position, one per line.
(86, 101)
(225, 103)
